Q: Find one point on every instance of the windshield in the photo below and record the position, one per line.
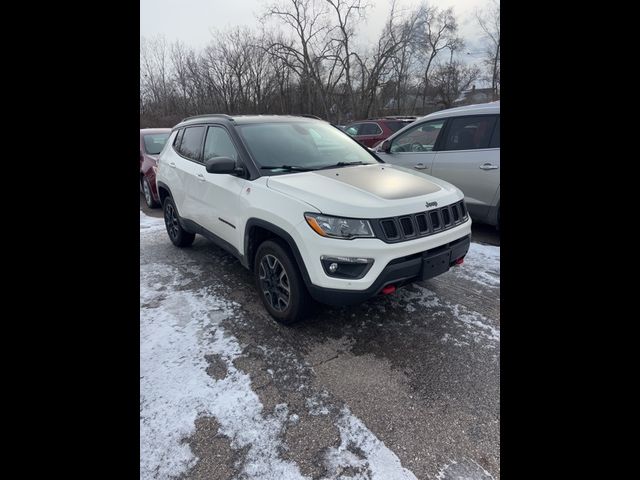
(154, 143)
(305, 145)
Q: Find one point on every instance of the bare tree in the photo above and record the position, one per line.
(311, 63)
(375, 67)
(451, 79)
(489, 20)
(154, 71)
(347, 13)
(440, 32)
(179, 54)
(404, 63)
(308, 20)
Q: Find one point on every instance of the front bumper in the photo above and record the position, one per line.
(400, 271)
(312, 247)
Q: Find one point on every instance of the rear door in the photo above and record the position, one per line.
(189, 168)
(416, 147)
(469, 158)
(168, 171)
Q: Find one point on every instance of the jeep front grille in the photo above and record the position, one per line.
(421, 224)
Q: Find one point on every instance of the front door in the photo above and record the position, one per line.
(221, 206)
(414, 148)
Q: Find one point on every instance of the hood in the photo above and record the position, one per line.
(366, 191)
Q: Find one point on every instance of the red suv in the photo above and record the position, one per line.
(152, 142)
(371, 132)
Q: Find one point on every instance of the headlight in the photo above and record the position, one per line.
(336, 227)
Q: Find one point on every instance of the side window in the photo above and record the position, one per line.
(495, 140)
(420, 138)
(219, 144)
(178, 139)
(395, 126)
(191, 144)
(470, 133)
(370, 129)
(354, 129)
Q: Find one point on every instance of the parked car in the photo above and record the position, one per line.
(309, 211)
(371, 132)
(152, 141)
(459, 145)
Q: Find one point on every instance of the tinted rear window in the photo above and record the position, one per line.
(469, 133)
(191, 145)
(394, 126)
(495, 140)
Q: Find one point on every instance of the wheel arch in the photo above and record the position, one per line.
(257, 230)
(163, 191)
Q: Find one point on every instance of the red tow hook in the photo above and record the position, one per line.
(388, 289)
(459, 261)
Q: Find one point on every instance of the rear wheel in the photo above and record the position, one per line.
(178, 235)
(148, 196)
(279, 283)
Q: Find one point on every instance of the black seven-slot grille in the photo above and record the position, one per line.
(422, 224)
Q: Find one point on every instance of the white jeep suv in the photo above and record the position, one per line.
(306, 208)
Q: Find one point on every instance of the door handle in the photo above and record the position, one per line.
(172, 164)
(488, 166)
(200, 177)
(421, 166)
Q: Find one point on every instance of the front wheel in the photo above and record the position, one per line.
(280, 284)
(178, 235)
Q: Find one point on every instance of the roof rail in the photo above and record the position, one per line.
(308, 115)
(221, 115)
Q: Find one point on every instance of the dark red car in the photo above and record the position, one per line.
(371, 132)
(152, 142)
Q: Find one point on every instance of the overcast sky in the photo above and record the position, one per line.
(192, 20)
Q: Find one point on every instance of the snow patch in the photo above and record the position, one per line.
(150, 224)
(378, 463)
(481, 265)
(316, 406)
(478, 326)
(464, 470)
(176, 334)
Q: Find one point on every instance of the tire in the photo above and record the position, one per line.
(148, 196)
(178, 235)
(272, 260)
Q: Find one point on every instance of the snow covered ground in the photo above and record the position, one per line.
(182, 324)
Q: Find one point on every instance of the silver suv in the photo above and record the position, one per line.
(459, 145)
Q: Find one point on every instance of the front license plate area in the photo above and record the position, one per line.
(435, 265)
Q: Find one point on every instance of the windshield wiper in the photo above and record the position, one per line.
(344, 164)
(290, 168)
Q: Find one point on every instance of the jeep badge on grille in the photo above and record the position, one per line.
(431, 204)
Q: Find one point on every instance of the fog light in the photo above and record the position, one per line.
(346, 267)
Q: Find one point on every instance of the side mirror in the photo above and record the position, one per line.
(385, 147)
(223, 165)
